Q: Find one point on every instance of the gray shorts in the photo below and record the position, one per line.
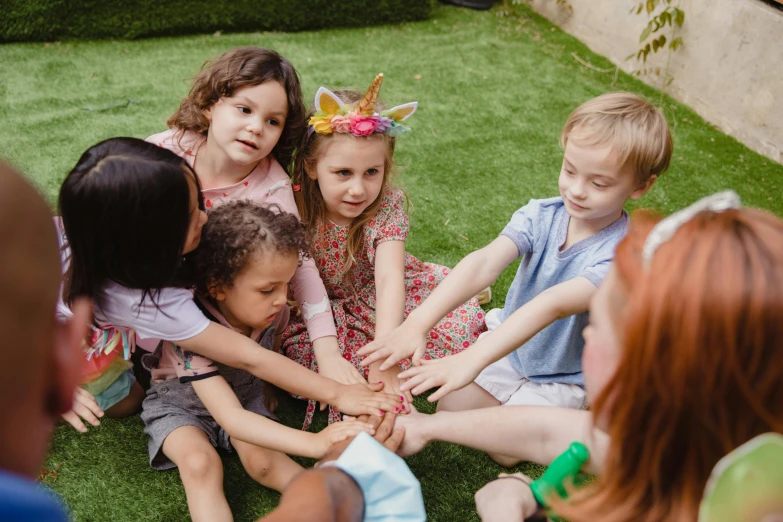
(172, 404)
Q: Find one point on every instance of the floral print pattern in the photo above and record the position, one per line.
(353, 296)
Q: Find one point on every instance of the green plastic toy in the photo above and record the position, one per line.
(563, 470)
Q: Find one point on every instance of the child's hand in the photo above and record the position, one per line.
(415, 433)
(506, 499)
(450, 373)
(366, 399)
(338, 369)
(84, 407)
(339, 432)
(270, 397)
(387, 432)
(402, 342)
(391, 384)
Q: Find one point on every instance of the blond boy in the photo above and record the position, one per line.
(615, 147)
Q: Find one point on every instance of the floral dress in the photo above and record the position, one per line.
(353, 296)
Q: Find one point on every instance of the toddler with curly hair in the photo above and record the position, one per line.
(247, 257)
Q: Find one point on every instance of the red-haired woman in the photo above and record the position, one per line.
(683, 363)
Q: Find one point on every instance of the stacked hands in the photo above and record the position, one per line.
(408, 341)
(499, 500)
(404, 342)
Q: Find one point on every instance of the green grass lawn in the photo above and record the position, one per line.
(494, 91)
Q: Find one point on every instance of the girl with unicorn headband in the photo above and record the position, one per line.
(342, 186)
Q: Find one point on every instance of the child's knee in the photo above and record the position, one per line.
(259, 464)
(199, 464)
(503, 460)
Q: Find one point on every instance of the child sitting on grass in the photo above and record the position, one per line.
(131, 213)
(248, 255)
(343, 168)
(238, 127)
(616, 145)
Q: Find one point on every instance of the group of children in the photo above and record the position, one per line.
(192, 244)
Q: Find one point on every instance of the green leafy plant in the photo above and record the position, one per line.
(661, 14)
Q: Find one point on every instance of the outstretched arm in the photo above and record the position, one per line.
(222, 403)
(234, 349)
(471, 275)
(530, 433)
(453, 372)
(389, 309)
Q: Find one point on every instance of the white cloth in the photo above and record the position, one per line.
(504, 383)
(175, 318)
(391, 491)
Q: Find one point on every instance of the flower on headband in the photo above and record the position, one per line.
(396, 129)
(321, 124)
(362, 125)
(360, 119)
(341, 123)
(384, 124)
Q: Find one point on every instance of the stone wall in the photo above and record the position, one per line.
(730, 69)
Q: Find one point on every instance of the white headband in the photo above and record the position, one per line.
(665, 230)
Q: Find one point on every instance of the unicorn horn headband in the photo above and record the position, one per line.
(333, 116)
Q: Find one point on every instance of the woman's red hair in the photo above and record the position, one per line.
(702, 367)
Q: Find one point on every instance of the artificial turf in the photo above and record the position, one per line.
(494, 89)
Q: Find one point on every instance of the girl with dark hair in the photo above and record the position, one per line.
(248, 254)
(130, 213)
(238, 128)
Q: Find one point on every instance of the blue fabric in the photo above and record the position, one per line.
(391, 492)
(23, 500)
(117, 390)
(539, 229)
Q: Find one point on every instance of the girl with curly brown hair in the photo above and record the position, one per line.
(247, 256)
(238, 127)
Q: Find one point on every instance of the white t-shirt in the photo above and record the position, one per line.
(176, 317)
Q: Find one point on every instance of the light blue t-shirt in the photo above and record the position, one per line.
(539, 229)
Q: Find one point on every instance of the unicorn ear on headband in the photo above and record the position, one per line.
(333, 116)
(327, 102)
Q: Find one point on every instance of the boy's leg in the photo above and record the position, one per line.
(269, 468)
(546, 394)
(471, 397)
(201, 472)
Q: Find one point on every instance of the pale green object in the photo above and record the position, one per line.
(747, 484)
(562, 471)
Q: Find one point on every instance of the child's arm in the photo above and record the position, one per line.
(223, 405)
(471, 275)
(389, 305)
(233, 349)
(389, 286)
(530, 433)
(310, 293)
(453, 372)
